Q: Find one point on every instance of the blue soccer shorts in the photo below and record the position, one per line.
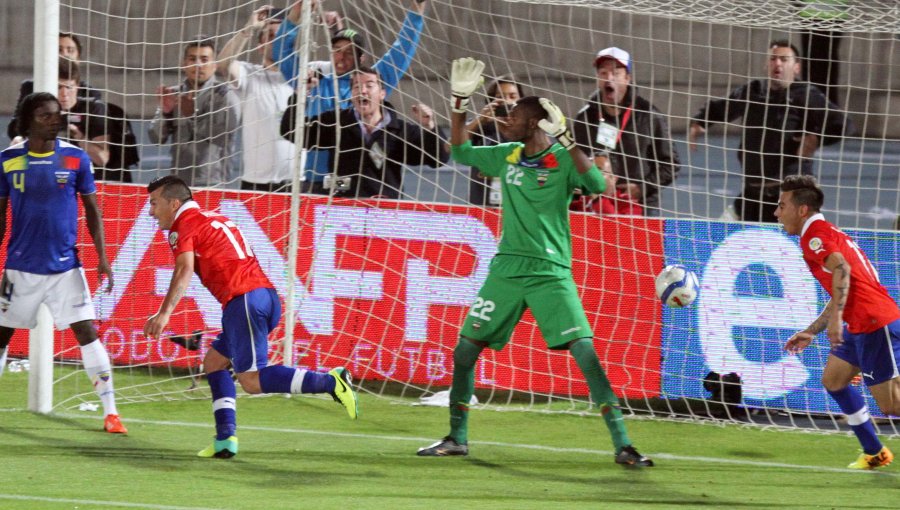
(247, 321)
(875, 353)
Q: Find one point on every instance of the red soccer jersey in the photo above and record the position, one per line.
(869, 306)
(222, 258)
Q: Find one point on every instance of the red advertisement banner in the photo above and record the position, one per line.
(382, 287)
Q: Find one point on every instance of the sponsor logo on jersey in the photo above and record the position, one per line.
(570, 330)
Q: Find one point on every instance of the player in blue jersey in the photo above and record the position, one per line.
(41, 178)
(533, 265)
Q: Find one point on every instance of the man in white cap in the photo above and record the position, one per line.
(618, 123)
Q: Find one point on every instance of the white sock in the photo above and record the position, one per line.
(99, 369)
(3, 359)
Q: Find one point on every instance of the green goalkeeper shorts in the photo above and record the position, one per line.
(515, 283)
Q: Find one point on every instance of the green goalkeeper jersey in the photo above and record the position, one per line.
(536, 194)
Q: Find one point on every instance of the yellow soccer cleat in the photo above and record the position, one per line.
(880, 459)
(224, 449)
(343, 391)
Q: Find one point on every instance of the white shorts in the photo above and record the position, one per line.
(67, 295)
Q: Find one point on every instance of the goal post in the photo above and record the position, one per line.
(383, 286)
(40, 339)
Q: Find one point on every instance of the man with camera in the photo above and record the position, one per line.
(199, 117)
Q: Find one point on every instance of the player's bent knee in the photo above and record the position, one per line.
(215, 361)
(84, 332)
(832, 383)
(249, 381)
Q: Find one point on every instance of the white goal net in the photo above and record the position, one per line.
(383, 286)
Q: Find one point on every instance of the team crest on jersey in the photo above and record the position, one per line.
(476, 326)
(542, 175)
(815, 244)
(173, 238)
(62, 177)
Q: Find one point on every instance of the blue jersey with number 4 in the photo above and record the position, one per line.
(42, 191)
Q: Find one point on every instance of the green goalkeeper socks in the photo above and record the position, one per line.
(601, 392)
(464, 357)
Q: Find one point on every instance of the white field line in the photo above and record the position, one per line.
(99, 503)
(519, 446)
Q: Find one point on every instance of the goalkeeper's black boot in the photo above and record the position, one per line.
(628, 456)
(443, 448)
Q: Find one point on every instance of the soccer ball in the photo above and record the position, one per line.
(676, 286)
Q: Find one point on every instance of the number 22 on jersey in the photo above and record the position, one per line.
(514, 175)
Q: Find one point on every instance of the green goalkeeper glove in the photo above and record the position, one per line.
(465, 77)
(556, 125)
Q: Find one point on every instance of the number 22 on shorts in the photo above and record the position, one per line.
(482, 309)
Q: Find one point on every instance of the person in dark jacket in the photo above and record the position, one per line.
(785, 121)
(69, 48)
(618, 123)
(370, 142)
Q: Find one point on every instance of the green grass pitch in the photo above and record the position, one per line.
(305, 453)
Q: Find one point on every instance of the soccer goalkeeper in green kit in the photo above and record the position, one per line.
(533, 266)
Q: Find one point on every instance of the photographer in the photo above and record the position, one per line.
(502, 93)
(199, 118)
(84, 121)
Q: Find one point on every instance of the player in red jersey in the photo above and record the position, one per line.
(870, 342)
(211, 245)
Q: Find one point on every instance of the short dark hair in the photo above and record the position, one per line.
(74, 39)
(200, 41)
(532, 107)
(367, 70)
(68, 70)
(493, 90)
(784, 43)
(805, 191)
(173, 187)
(25, 110)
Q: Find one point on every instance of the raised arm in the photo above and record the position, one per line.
(226, 60)
(396, 61)
(465, 78)
(556, 126)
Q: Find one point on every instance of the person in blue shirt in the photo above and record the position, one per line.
(41, 178)
(348, 53)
